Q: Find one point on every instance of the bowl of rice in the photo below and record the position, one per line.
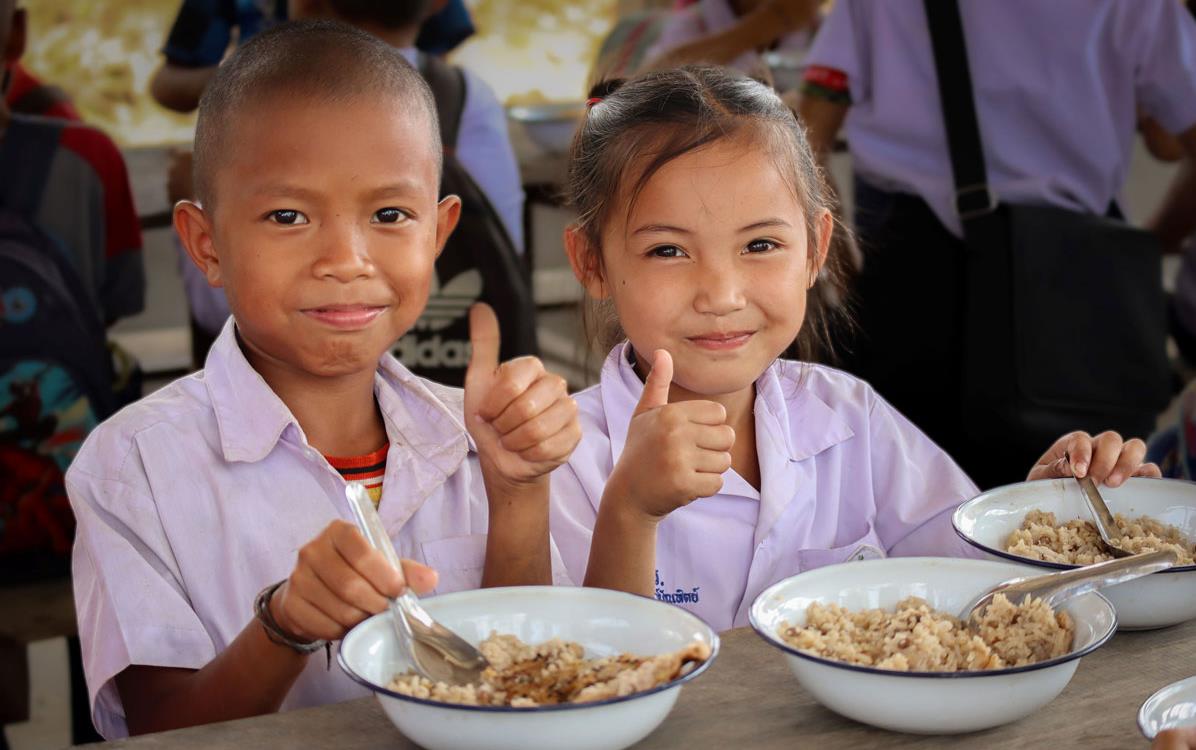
(601, 668)
(1046, 525)
(878, 641)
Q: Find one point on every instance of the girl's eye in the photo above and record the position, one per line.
(287, 217)
(389, 216)
(761, 246)
(667, 251)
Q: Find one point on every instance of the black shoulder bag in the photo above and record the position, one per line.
(1066, 322)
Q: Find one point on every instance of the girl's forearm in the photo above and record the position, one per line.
(623, 547)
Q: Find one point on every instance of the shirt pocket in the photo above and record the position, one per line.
(458, 561)
(867, 547)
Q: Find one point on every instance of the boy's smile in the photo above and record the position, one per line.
(325, 230)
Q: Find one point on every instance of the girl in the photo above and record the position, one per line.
(705, 224)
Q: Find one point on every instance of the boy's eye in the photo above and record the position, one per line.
(389, 216)
(288, 217)
(667, 251)
(761, 246)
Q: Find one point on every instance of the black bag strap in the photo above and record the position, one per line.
(26, 152)
(973, 198)
(448, 89)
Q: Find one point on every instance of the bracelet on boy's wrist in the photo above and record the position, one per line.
(261, 610)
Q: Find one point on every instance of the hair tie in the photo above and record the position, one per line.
(592, 101)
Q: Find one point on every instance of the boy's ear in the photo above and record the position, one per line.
(826, 231)
(16, 37)
(584, 260)
(448, 212)
(194, 228)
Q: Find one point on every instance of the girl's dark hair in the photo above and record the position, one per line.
(634, 128)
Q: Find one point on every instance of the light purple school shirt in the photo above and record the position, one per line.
(843, 477)
(484, 150)
(193, 499)
(714, 17)
(1056, 83)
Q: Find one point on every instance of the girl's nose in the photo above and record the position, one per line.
(343, 253)
(720, 290)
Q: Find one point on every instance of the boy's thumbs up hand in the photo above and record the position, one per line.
(675, 453)
(520, 416)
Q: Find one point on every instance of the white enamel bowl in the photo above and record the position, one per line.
(604, 622)
(1172, 707)
(922, 702)
(550, 126)
(1154, 601)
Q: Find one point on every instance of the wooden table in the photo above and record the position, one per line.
(749, 699)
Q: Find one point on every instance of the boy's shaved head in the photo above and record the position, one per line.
(324, 61)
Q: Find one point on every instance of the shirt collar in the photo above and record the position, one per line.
(252, 419)
(798, 422)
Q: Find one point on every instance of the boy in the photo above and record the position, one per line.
(481, 260)
(316, 169)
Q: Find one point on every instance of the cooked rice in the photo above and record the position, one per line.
(1077, 542)
(556, 671)
(916, 638)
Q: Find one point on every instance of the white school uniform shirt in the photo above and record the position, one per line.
(713, 17)
(843, 477)
(1056, 86)
(193, 499)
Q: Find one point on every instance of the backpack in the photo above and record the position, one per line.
(55, 381)
(479, 261)
(39, 99)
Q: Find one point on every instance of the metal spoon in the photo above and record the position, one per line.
(1106, 526)
(436, 652)
(1055, 588)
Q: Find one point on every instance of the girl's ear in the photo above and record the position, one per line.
(194, 229)
(584, 259)
(826, 230)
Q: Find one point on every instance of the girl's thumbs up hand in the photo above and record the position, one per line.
(520, 416)
(675, 453)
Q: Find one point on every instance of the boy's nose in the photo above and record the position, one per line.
(720, 290)
(344, 254)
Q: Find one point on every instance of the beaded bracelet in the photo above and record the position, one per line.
(261, 610)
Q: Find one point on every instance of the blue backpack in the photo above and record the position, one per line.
(55, 386)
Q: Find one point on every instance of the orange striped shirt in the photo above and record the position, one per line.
(366, 470)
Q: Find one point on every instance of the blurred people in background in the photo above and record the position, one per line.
(481, 259)
(29, 96)
(70, 265)
(720, 32)
(1058, 88)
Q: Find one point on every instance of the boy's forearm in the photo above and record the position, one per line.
(623, 547)
(249, 678)
(517, 543)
